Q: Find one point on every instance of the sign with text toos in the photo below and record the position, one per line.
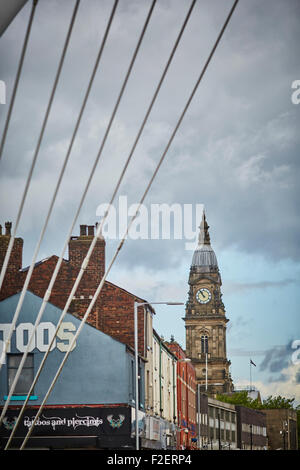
(86, 421)
(42, 336)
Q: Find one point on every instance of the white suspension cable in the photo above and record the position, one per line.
(11, 241)
(49, 290)
(99, 288)
(36, 153)
(46, 222)
(18, 75)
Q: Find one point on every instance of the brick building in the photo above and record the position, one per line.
(186, 397)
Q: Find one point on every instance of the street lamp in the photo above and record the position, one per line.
(136, 305)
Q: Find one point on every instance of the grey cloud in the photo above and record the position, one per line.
(286, 377)
(280, 378)
(230, 287)
(277, 358)
(274, 361)
(237, 149)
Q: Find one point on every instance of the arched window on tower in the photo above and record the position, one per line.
(204, 344)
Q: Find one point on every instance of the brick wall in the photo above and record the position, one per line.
(78, 248)
(186, 394)
(116, 316)
(11, 280)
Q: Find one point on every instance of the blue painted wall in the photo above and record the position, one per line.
(98, 371)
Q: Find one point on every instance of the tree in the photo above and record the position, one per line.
(242, 398)
(238, 398)
(277, 403)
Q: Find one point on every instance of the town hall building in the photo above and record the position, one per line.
(205, 319)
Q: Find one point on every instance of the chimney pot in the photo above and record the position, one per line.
(91, 230)
(8, 228)
(82, 230)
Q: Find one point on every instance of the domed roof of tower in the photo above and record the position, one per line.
(204, 258)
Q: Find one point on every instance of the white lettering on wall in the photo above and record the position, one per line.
(42, 337)
(5, 328)
(23, 333)
(65, 334)
(44, 334)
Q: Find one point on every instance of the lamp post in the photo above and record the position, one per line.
(136, 305)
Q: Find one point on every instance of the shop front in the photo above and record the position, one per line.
(92, 427)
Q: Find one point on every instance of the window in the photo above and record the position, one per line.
(27, 374)
(204, 344)
(155, 395)
(132, 380)
(140, 386)
(155, 355)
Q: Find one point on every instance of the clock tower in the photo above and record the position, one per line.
(205, 319)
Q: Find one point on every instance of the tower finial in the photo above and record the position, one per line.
(204, 238)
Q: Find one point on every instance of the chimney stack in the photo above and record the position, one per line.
(91, 230)
(82, 230)
(78, 248)
(15, 259)
(8, 228)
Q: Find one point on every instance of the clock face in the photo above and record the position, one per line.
(203, 296)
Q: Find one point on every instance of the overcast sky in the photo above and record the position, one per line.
(237, 152)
